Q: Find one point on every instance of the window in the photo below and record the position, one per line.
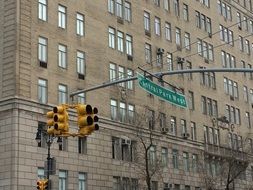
(116, 183)
(187, 41)
(154, 185)
(113, 110)
(147, 21)
(127, 11)
(81, 98)
(80, 62)
(162, 120)
(168, 31)
(41, 173)
(63, 180)
(62, 56)
(151, 119)
(42, 91)
(148, 53)
(191, 100)
(130, 84)
(122, 112)
(62, 16)
(157, 26)
(120, 41)
(112, 72)
(233, 114)
(152, 155)
(42, 49)
(247, 46)
(178, 36)
(121, 73)
(79, 24)
(157, 2)
(183, 127)
(209, 106)
(251, 96)
(131, 114)
(134, 184)
(185, 12)
(111, 37)
(164, 157)
(42, 127)
(129, 45)
(205, 50)
(176, 7)
(64, 145)
(125, 183)
(82, 145)
(175, 158)
(247, 119)
(169, 61)
(241, 43)
(166, 5)
(82, 180)
(245, 93)
(173, 127)
(193, 131)
(62, 94)
(119, 8)
(111, 6)
(194, 162)
(42, 10)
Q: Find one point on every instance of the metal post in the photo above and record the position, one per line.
(48, 159)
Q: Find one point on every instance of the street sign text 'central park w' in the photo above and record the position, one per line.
(163, 93)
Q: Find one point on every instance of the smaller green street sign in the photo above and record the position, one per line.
(163, 93)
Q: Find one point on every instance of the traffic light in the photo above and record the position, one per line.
(40, 184)
(50, 122)
(45, 184)
(87, 120)
(61, 118)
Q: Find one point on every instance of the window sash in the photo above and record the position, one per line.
(79, 24)
(80, 62)
(61, 16)
(42, 10)
(62, 56)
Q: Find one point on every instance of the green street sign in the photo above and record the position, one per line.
(163, 93)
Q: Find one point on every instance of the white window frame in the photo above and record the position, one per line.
(82, 181)
(63, 174)
(79, 24)
(157, 26)
(42, 49)
(129, 45)
(120, 40)
(111, 37)
(62, 94)
(42, 10)
(62, 56)
(62, 19)
(42, 91)
(80, 62)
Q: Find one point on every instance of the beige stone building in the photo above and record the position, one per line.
(51, 48)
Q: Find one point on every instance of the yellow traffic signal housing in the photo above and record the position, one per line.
(86, 119)
(61, 119)
(40, 185)
(45, 184)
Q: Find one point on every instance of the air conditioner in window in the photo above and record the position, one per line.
(180, 60)
(160, 51)
(210, 35)
(126, 141)
(239, 27)
(185, 135)
(164, 130)
(120, 20)
(206, 61)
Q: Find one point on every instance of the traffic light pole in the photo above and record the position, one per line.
(160, 75)
(49, 142)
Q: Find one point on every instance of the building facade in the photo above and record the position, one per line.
(49, 49)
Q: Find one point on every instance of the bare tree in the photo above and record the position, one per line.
(223, 165)
(147, 162)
